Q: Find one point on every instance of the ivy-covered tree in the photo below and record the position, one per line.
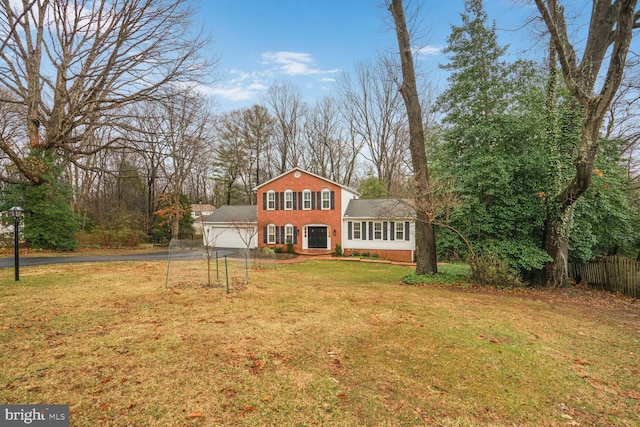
(593, 82)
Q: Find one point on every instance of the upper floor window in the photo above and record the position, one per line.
(271, 200)
(326, 199)
(288, 200)
(306, 199)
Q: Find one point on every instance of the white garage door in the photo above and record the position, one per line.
(229, 237)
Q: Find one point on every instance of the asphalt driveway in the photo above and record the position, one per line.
(29, 260)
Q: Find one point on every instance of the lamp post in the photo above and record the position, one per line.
(16, 213)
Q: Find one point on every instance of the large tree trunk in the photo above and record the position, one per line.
(559, 216)
(425, 236)
(556, 244)
(609, 38)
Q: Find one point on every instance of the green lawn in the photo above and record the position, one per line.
(314, 343)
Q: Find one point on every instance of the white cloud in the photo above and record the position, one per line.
(239, 92)
(428, 50)
(294, 63)
(243, 86)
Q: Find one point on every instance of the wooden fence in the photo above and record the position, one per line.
(612, 273)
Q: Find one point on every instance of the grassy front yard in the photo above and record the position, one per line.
(314, 343)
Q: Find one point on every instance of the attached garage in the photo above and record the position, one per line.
(231, 227)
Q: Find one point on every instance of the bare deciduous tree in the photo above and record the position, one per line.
(257, 131)
(288, 108)
(185, 133)
(329, 152)
(372, 106)
(74, 66)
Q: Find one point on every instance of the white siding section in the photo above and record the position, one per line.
(345, 195)
(367, 244)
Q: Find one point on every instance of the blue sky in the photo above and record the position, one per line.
(310, 43)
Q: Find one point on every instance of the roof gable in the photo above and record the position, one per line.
(297, 169)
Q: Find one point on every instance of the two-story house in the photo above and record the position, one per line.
(303, 209)
(314, 214)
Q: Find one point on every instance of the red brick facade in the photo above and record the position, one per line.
(300, 207)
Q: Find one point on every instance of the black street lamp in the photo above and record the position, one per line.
(16, 213)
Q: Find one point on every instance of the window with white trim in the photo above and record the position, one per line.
(271, 234)
(399, 230)
(288, 200)
(288, 233)
(326, 199)
(357, 235)
(306, 200)
(377, 231)
(271, 200)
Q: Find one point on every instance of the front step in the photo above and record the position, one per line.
(314, 252)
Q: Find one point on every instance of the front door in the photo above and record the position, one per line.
(317, 237)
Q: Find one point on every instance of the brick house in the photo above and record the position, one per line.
(302, 208)
(315, 214)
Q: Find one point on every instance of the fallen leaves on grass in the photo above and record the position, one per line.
(195, 414)
(247, 409)
(256, 365)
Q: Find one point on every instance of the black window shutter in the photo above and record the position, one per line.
(333, 200)
(392, 231)
(319, 202)
(299, 200)
(406, 230)
(295, 205)
(282, 238)
(313, 200)
(363, 230)
(275, 203)
(370, 230)
(295, 235)
(277, 229)
(264, 201)
(384, 230)
(349, 228)
(264, 234)
(282, 201)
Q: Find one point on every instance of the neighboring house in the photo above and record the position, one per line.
(231, 227)
(313, 213)
(198, 212)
